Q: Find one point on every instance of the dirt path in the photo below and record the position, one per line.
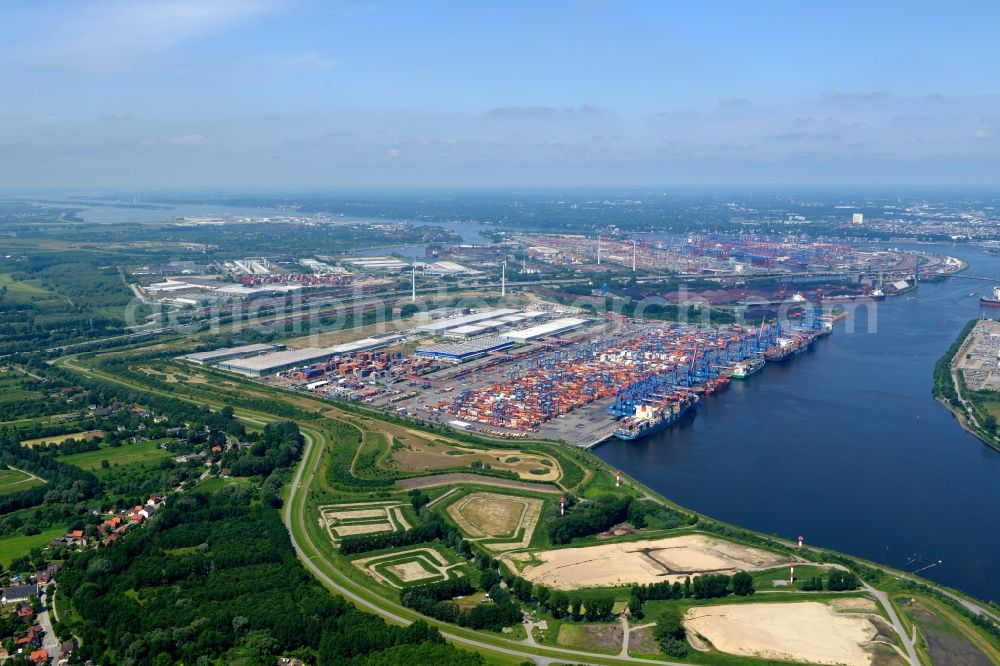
(464, 477)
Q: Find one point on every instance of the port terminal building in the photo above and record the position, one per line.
(459, 352)
(279, 361)
(228, 353)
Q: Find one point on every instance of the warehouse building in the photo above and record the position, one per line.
(268, 364)
(227, 353)
(554, 327)
(368, 344)
(459, 352)
(438, 327)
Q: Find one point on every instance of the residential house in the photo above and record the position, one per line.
(19, 593)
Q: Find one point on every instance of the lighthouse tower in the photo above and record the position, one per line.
(801, 539)
(562, 506)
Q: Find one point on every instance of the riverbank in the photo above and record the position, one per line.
(950, 390)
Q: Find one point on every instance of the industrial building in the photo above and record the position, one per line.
(389, 264)
(554, 327)
(227, 353)
(439, 326)
(459, 352)
(440, 313)
(368, 344)
(268, 364)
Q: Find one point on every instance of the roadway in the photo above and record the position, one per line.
(539, 655)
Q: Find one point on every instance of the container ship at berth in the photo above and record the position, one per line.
(751, 366)
(991, 302)
(649, 419)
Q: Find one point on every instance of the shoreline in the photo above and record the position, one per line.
(966, 415)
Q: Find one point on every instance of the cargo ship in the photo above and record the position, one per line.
(991, 302)
(751, 366)
(649, 419)
(785, 349)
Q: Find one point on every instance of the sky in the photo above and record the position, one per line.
(271, 94)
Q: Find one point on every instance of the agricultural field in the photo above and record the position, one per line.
(410, 566)
(341, 520)
(639, 562)
(59, 439)
(13, 480)
(841, 632)
(499, 522)
(129, 455)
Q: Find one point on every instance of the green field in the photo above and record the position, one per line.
(12, 480)
(18, 287)
(125, 456)
(13, 547)
(55, 439)
(11, 389)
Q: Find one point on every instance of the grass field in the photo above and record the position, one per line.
(12, 480)
(214, 483)
(13, 547)
(125, 456)
(17, 287)
(55, 439)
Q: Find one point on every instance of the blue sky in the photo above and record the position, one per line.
(303, 93)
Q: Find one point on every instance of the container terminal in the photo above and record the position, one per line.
(573, 379)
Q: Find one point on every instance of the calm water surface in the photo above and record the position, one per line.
(830, 446)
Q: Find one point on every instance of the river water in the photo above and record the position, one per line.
(846, 446)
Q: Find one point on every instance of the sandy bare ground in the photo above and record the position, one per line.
(366, 528)
(411, 571)
(492, 515)
(407, 565)
(806, 631)
(640, 562)
(340, 520)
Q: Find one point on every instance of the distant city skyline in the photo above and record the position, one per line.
(576, 93)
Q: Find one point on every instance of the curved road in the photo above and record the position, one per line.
(304, 474)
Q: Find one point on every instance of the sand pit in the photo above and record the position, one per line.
(411, 571)
(395, 569)
(807, 631)
(368, 528)
(356, 515)
(486, 517)
(342, 520)
(640, 562)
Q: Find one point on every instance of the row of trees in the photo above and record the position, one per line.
(707, 586)
(589, 518)
(214, 579)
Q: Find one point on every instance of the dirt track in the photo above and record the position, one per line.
(463, 477)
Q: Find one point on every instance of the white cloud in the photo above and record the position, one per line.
(121, 34)
(734, 101)
(189, 140)
(309, 60)
(984, 134)
(392, 152)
